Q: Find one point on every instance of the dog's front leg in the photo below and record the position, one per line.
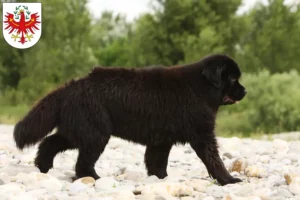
(207, 151)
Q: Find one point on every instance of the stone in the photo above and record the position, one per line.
(4, 160)
(198, 184)
(233, 197)
(39, 180)
(278, 162)
(246, 189)
(125, 195)
(215, 191)
(294, 186)
(256, 171)
(166, 188)
(280, 146)
(81, 184)
(209, 198)
(294, 157)
(155, 197)
(289, 177)
(286, 161)
(60, 195)
(14, 169)
(9, 148)
(79, 197)
(12, 189)
(263, 193)
(265, 159)
(151, 180)
(228, 155)
(187, 198)
(238, 165)
(25, 196)
(229, 145)
(37, 192)
(134, 176)
(4, 177)
(106, 183)
(282, 192)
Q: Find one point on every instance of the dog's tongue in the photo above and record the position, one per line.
(227, 99)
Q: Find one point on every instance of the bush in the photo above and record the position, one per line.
(270, 106)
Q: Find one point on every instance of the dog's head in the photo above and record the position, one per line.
(224, 73)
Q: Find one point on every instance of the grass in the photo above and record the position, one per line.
(11, 114)
(241, 135)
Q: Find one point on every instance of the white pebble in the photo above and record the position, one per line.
(238, 165)
(280, 145)
(233, 197)
(294, 186)
(164, 188)
(125, 195)
(4, 160)
(60, 195)
(25, 196)
(4, 177)
(265, 159)
(209, 198)
(81, 184)
(150, 180)
(39, 180)
(286, 161)
(105, 183)
(264, 193)
(256, 171)
(269, 170)
(198, 184)
(134, 176)
(281, 192)
(215, 191)
(12, 188)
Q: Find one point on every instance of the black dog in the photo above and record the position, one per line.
(157, 107)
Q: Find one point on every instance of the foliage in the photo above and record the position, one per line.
(272, 38)
(270, 106)
(265, 41)
(62, 53)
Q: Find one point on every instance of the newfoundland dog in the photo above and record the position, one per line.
(154, 106)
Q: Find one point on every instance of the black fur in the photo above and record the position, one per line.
(156, 107)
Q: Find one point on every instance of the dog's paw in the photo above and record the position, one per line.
(235, 180)
(230, 180)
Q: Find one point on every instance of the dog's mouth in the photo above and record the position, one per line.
(228, 100)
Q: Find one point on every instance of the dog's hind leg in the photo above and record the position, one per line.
(89, 152)
(156, 159)
(48, 149)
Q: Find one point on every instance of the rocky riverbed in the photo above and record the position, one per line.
(269, 170)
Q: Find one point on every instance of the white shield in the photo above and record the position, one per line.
(22, 24)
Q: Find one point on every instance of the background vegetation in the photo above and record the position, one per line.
(265, 41)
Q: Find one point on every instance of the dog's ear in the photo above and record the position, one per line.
(214, 75)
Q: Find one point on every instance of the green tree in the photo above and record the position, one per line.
(184, 31)
(63, 52)
(110, 40)
(272, 38)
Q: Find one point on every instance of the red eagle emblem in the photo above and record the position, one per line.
(23, 26)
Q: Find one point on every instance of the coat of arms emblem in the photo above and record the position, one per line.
(22, 24)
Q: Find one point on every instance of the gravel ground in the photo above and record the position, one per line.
(269, 170)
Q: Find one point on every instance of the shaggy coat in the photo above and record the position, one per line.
(155, 106)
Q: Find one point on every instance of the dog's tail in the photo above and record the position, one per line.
(39, 122)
